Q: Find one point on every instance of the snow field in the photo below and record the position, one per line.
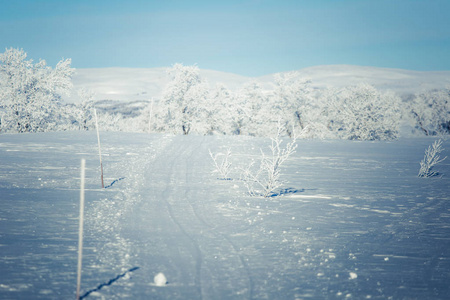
(356, 223)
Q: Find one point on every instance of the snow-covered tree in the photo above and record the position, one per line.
(363, 113)
(82, 113)
(30, 92)
(180, 101)
(198, 115)
(431, 111)
(224, 111)
(293, 102)
(254, 110)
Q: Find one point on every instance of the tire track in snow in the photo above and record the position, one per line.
(155, 230)
(211, 228)
(175, 155)
(226, 272)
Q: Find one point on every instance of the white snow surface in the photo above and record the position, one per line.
(353, 220)
(132, 84)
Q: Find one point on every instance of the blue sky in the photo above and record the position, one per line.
(252, 38)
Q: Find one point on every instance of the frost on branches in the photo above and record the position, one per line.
(222, 165)
(431, 159)
(266, 179)
(30, 92)
(30, 96)
(360, 112)
(431, 112)
(183, 101)
(363, 113)
(293, 101)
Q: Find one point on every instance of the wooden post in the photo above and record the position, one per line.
(150, 117)
(80, 229)
(99, 148)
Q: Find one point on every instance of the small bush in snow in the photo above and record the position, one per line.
(223, 166)
(431, 159)
(266, 179)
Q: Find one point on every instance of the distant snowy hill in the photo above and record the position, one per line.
(398, 80)
(133, 84)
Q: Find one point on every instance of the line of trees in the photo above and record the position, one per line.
(357, 112)
(30, 95)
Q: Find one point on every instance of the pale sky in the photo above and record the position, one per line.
(251, 38)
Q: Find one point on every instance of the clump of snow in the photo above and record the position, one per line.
(160, 279)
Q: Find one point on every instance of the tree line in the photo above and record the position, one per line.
(30, 95)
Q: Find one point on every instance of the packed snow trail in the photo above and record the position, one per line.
(172, 232)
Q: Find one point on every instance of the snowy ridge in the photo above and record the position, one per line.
(144, 84)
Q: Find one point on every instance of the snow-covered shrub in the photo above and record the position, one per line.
(363, 113)
(431, 159)
(30, 92)
(266, 179)
(222, 165)
(431, 112)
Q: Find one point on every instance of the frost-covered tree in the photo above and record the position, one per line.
(30, 92)
(315, 116)
(82, 112)
(254, 110)
(199, 112)
(431, 112)
(181, 98)
(223, 111)
(293, 102)
(363, 113)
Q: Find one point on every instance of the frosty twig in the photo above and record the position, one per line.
(431, 159)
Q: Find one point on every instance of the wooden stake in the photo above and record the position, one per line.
(80, 229)
(150, 117)
(99, 148)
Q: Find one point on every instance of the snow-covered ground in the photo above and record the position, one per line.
(128, 84)
(354, 220)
